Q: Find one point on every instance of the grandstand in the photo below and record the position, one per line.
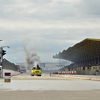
(84, 55)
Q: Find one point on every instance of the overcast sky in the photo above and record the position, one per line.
(46, 26)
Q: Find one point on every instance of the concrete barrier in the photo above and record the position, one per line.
(81, 77)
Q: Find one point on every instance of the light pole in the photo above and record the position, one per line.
(2, 52)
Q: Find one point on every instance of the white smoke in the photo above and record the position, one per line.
(31, 58)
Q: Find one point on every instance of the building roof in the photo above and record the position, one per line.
(85, 51)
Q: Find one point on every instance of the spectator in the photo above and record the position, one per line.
(50, 73)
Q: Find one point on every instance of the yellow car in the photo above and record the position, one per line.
(36, 71)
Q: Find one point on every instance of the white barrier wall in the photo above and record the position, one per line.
(13, 73)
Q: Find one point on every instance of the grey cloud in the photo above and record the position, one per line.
(89, 8)
(6, 2)
(49, 10)
(39, 1)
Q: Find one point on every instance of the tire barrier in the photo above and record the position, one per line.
(65, 72)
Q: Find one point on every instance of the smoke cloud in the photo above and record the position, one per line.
(31, 58)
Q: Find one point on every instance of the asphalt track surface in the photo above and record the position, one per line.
(26, 87)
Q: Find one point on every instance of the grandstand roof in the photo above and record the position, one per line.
(87, 50)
